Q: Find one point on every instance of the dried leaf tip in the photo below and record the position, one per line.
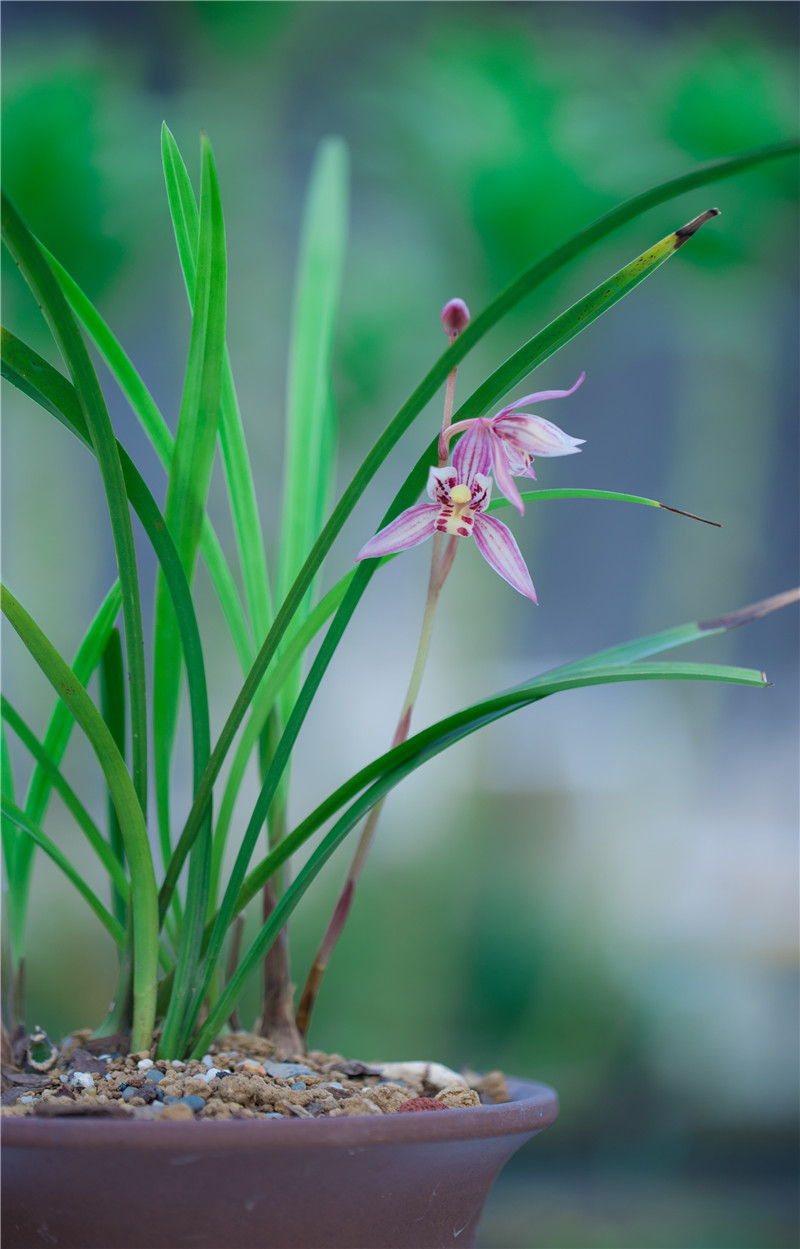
(679, 512)
(693, 226)
(754, 612)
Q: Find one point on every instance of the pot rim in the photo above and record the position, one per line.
(532, 1108)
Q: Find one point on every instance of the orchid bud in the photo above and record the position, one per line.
(455, 318)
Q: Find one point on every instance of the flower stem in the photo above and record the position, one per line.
(441, 563)
(455, 316)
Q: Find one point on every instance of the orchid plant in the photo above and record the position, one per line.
(179, 936)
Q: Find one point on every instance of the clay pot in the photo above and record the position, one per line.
(409, 1181)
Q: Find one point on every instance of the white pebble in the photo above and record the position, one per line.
(82, 1079)
(28, 1099)
(176, 1062)
(435, 1074)
(208, 1060)
(144, 1064)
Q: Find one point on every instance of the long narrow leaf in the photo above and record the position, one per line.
(235, 458)
(483, 713)
(189, 639)
(577, 318)
(622, 655)
(61, 402)
(540, 346)
(144, 898)
(55, 742)
(535, 496)
(474, 717)
(178, 588)
(190, 470)
(72, 802)
(63, 326)
(26, 370)
(157, 430)
(310, 433)
(17, 816)
(112, 708)
(262, 706)
(424, 391)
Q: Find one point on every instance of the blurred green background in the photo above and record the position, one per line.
(600, 892)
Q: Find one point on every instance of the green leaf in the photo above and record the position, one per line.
(55, 742)
(576, 319)
(624, 655)
(178, 588)
(310, 424)
(425, 391)
(62, 403)
(48, 387)
(157, 430)
(112, 708)
(17, 816)
(413, 753)
(534, 496)
(144, 898)
(190, 470)
(264, 700)
(63, 326)
(235, 458)
(72, 802)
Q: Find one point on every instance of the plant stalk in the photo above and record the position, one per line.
(441, 563)
(277, 1015)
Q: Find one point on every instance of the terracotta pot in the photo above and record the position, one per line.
(410, 1181)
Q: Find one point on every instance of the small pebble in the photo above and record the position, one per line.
(421, 1103)
(299, 1084)
(155, 1077)
(144, 1064)
(284, 1071)
(82, 1079)
(176, 1062)
(213, 1073)
(208, 1060)
(194, 1101)
(434, 1074)
(130, 1091)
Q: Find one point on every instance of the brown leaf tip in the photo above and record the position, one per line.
(745, 614)
(692, 227)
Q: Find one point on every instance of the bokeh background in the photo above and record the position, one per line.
(600, 892)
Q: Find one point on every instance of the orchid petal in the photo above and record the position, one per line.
(473, 454)
(540, 396)
(409, 529)
(497, 546)
(535, 435)
(481, 488)
(504, 461)
(519, 464)
(440, 483)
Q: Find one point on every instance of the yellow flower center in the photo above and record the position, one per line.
(460, 494)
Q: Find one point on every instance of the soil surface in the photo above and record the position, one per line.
(237, 1079)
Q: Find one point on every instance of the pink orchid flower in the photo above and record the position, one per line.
(460, 495)
(515, 437)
